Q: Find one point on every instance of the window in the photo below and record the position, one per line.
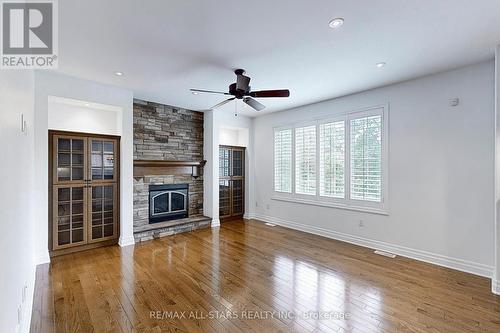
(339, 162)
(332, 159)
(283, 160)
(305, 160)
(366, 158)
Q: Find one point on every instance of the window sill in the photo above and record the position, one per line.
(371, 210)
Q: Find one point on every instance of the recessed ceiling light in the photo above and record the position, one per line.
(118, 73)
(194, 92)
(336, 23)
(380, 64)
(87, 104)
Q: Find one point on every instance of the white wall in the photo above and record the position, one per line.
(441, 167)
(210, 171)
(74, 116)
(495, 285)
(232, 136)
(48, 84)
(16, 199)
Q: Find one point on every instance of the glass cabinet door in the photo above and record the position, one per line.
(69, 159)
(85, 188)
(69, 215)
(102, 160)
(224, 160)
(237, 164)
(231, 181)
(102, 212)
(237, 191)
(224, 198)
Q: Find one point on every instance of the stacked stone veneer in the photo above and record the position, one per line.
(163, 132)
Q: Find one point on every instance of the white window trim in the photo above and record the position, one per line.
(341, 203)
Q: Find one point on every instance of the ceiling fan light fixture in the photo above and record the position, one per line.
(118, 73)
(336, 23)
(240, 90)
(380, 64)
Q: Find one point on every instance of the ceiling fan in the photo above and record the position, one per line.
(241, 90)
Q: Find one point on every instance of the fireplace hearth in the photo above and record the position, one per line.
(168, 202)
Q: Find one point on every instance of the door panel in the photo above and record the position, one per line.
(224, 162)
(102, 212)
(231, 181)
(237, 189)
(224, 198)
(237, 164)
(69, 215)
(69, 159)
(102, 160)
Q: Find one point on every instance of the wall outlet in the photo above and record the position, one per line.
(256, 204)
(267, 206)
(361, 223)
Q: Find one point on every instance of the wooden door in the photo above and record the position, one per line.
(102, 202)
(231, 182)
(84, 188)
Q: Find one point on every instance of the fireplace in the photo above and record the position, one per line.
(168, 202)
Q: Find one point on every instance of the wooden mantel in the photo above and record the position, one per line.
(160, 167)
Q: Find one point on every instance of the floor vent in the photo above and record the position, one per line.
(270, 224)
(385, 254)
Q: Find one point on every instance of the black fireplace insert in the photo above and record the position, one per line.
(168, 202)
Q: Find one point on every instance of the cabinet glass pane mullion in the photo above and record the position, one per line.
(69, 215)
(103, 212)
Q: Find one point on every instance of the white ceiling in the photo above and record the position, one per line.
(166, 47)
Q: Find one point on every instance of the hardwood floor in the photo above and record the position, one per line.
(247, 276)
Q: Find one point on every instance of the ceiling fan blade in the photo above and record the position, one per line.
(242, 82)
(270, 93)
(254, 104)
(222, 103)
(209, 91)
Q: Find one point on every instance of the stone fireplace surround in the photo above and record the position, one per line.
(164, 133)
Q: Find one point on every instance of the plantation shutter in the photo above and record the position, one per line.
(305, 160)
(283, 160)
(366, 158)
(332, 159)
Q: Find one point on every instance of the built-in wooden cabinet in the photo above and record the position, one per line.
(231, 182)
(85, 187)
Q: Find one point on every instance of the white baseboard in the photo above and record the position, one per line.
(215, 223)
(433, 258)
(126, 241)
(495, 286)
(42, 258)
(248, 216)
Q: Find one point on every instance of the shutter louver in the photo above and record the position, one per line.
(332, 159)
(283, 160)
(366, 158)
(305, 160)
